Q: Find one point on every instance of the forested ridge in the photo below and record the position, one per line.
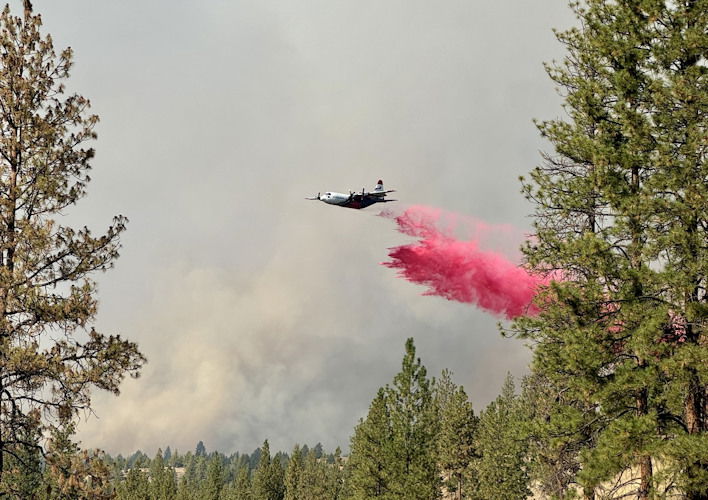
(420, 439)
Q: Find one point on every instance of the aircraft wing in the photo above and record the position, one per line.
(380, 194)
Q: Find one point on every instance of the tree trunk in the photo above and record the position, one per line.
(7, 257)
(695, 416)
(645, 475)
(696, 401)
(695, 405)
(645, 466)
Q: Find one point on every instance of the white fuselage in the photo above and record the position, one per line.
(335, 198)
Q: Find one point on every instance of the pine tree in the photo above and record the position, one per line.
(24, 465)
(268, 478)
(163, 485)
(185, 490)
(558, 429)
(194, 474)
(71, 472)
(214, 481)
(502, 446)
(293, 474)
(336, 476)
(621, 225)
(47, 296)
(455, 446)
(393, 451)
(243, 485)
(368, 473)
(136, 485)
(277, 475)
(314, 480)
(414, 472)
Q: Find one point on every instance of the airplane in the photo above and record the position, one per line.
(355, 200)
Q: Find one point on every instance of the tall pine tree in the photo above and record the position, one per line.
(50, 356)
(393, 451)
(368, 472)
(163, 484)
(558, 428)
(455, 445)
(293, 474)
(621, 225)
(414, 430)
(501, 444)
(269, 477)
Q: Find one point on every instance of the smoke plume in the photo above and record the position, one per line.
(463, 268)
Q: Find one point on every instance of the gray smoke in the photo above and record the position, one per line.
(262, 314)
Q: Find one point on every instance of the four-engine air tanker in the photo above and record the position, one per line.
(355, 200)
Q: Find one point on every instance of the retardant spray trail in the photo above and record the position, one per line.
(461, 269)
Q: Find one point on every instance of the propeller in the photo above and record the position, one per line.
(314, 198)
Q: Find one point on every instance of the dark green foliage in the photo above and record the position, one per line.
(24, 465)
(414, 431)
(239, 489)
(216, 476)
(136, 485)
(558, 429)
(622, 224)
(394, 451)
(456, 448)
(243, 485)
(368, 461)
(136, 457)
(214, 481)
(337, 476)
(293, 474)
(315, 478)
(163, 483)
(195, 470)
(501, 444)
(254, 458)
(269, 477)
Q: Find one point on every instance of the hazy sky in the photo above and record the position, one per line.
(264, 315)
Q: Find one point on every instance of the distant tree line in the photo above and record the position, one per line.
(420, 440)
(214, 475)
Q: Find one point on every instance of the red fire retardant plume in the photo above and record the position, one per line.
(459, 269)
